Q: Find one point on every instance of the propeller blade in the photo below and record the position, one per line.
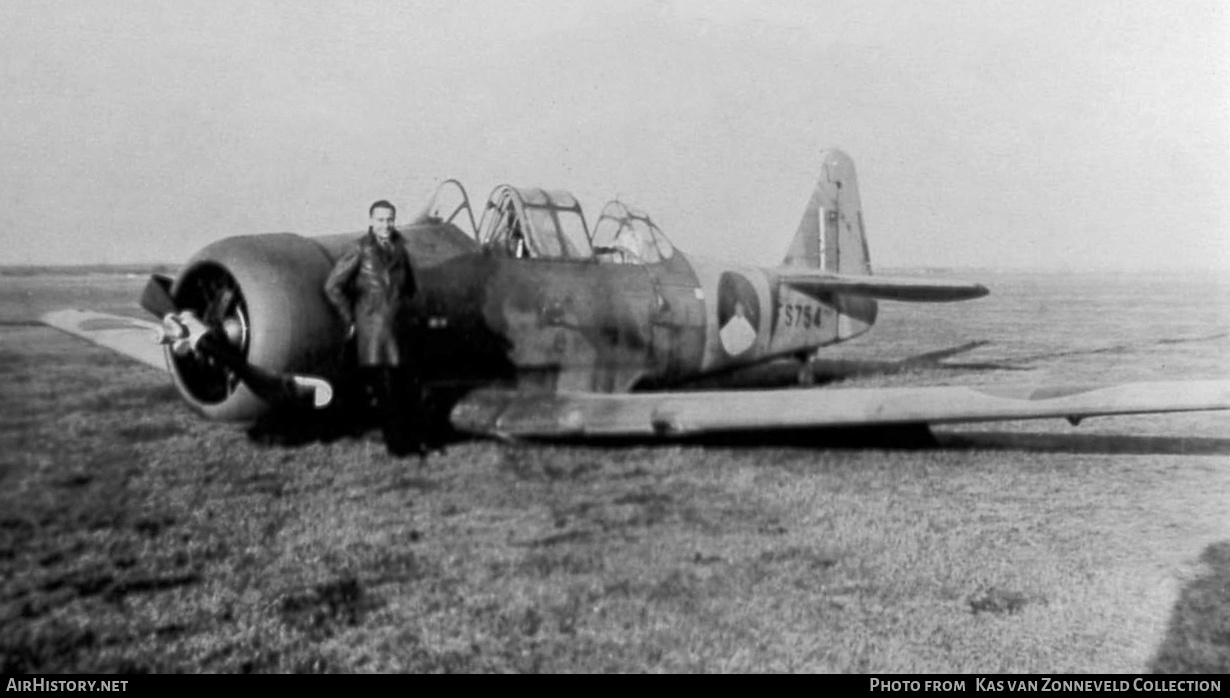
(156, 298)
(271, 387)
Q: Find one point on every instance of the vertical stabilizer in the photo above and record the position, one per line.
(831, 235)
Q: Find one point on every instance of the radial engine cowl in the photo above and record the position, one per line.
(266, 294)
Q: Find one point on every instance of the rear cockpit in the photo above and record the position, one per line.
(624, 235)
(533, 223)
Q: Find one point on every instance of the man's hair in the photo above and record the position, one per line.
(381, 204)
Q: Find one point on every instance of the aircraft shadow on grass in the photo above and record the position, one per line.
(1119, 348)
(824, 371)
(352, 416)
(294, 431)
(1109, 444)
(1197, 641)
(838, 369)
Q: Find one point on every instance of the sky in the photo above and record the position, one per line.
(1040, 134)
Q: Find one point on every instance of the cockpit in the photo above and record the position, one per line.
(532, 223)
(624, 235)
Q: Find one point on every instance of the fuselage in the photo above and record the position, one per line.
(482, 315)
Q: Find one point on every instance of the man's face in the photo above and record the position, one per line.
(382, 222)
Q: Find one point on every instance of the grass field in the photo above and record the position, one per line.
(136, 537)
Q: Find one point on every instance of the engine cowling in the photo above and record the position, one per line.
(266, 292)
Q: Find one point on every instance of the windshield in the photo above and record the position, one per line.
(447, 205)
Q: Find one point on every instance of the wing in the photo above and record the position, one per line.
(507, 413)
(816, 281)
(129, 336)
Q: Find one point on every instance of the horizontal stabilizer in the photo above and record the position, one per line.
(506, 413)
(136, 339)
(816, 281)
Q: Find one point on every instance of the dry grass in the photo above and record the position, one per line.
(134, 537)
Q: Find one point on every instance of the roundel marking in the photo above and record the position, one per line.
(738, 313)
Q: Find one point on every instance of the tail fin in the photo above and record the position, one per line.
(831, 235)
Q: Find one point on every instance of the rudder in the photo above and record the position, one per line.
(831, 235)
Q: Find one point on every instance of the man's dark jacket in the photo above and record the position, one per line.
(371, 286)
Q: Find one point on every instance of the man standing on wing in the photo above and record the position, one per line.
(371, 287)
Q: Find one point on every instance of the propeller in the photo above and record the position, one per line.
(188, 334)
